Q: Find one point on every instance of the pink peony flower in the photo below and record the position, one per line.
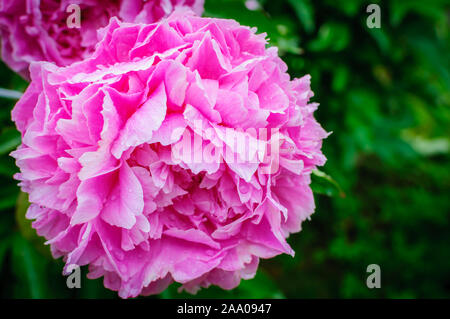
(115, 182)
(38, 30)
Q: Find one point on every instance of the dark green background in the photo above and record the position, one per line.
(385, 93)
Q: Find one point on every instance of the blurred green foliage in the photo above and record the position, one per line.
(385, 93)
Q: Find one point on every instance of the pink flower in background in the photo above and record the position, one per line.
(101, 159)
(37, 30)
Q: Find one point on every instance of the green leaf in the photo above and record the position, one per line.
(93, 288)
(340, 78)
(8, 197)
(324, 184)
(331, 36)
(10, 94)
(9, 139)
(4, 247)
(400, 8)
(29, 270)
(382, 39)
(305, 13)
(350, 8)
(9, 192)
(25, 228)
(260, 287)
(428, 147)
(23, 223)
(281, 32)
(7, 166)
